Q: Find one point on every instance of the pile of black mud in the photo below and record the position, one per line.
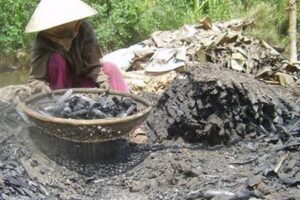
(214, 105)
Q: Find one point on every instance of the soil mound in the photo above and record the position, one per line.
(213, 105)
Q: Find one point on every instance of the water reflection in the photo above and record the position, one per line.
(14, 78)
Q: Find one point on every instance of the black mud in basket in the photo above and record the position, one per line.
(81, 130)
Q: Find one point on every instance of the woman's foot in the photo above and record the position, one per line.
(138, 136)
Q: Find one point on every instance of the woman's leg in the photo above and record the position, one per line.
(58, 72)
(61, 76)
(82, 82)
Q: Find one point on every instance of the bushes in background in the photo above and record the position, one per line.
(124, 22)
(14, 16)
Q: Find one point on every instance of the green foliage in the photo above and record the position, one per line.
(218, 9)
(271, 22)
(13, 19)
(124, 22)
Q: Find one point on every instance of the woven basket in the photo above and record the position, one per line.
(88, 131)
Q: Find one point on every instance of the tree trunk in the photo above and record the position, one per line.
(293, 30)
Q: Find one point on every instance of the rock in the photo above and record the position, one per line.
(138, 186)
(254, 181)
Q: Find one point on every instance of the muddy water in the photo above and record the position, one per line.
(14, 78)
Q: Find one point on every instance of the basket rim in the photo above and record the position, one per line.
(83, 122)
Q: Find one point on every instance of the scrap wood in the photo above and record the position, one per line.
(286, 179)
(294, 142)
(280, 162)
(293, 126)
(139, 81)
(222, 194)
(284, 79)
(271, 82)
(250, 160)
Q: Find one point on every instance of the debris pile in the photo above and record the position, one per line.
(219, 42)
(214, 105)
(255, 57)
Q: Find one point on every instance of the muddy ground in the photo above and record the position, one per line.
(255, 166)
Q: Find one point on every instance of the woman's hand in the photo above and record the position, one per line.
(102, 81)
(38, 86)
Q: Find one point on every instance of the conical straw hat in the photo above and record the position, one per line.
(51, 13)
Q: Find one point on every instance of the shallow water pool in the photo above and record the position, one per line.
(17, 77)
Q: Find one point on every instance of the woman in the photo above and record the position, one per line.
(65, 53)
